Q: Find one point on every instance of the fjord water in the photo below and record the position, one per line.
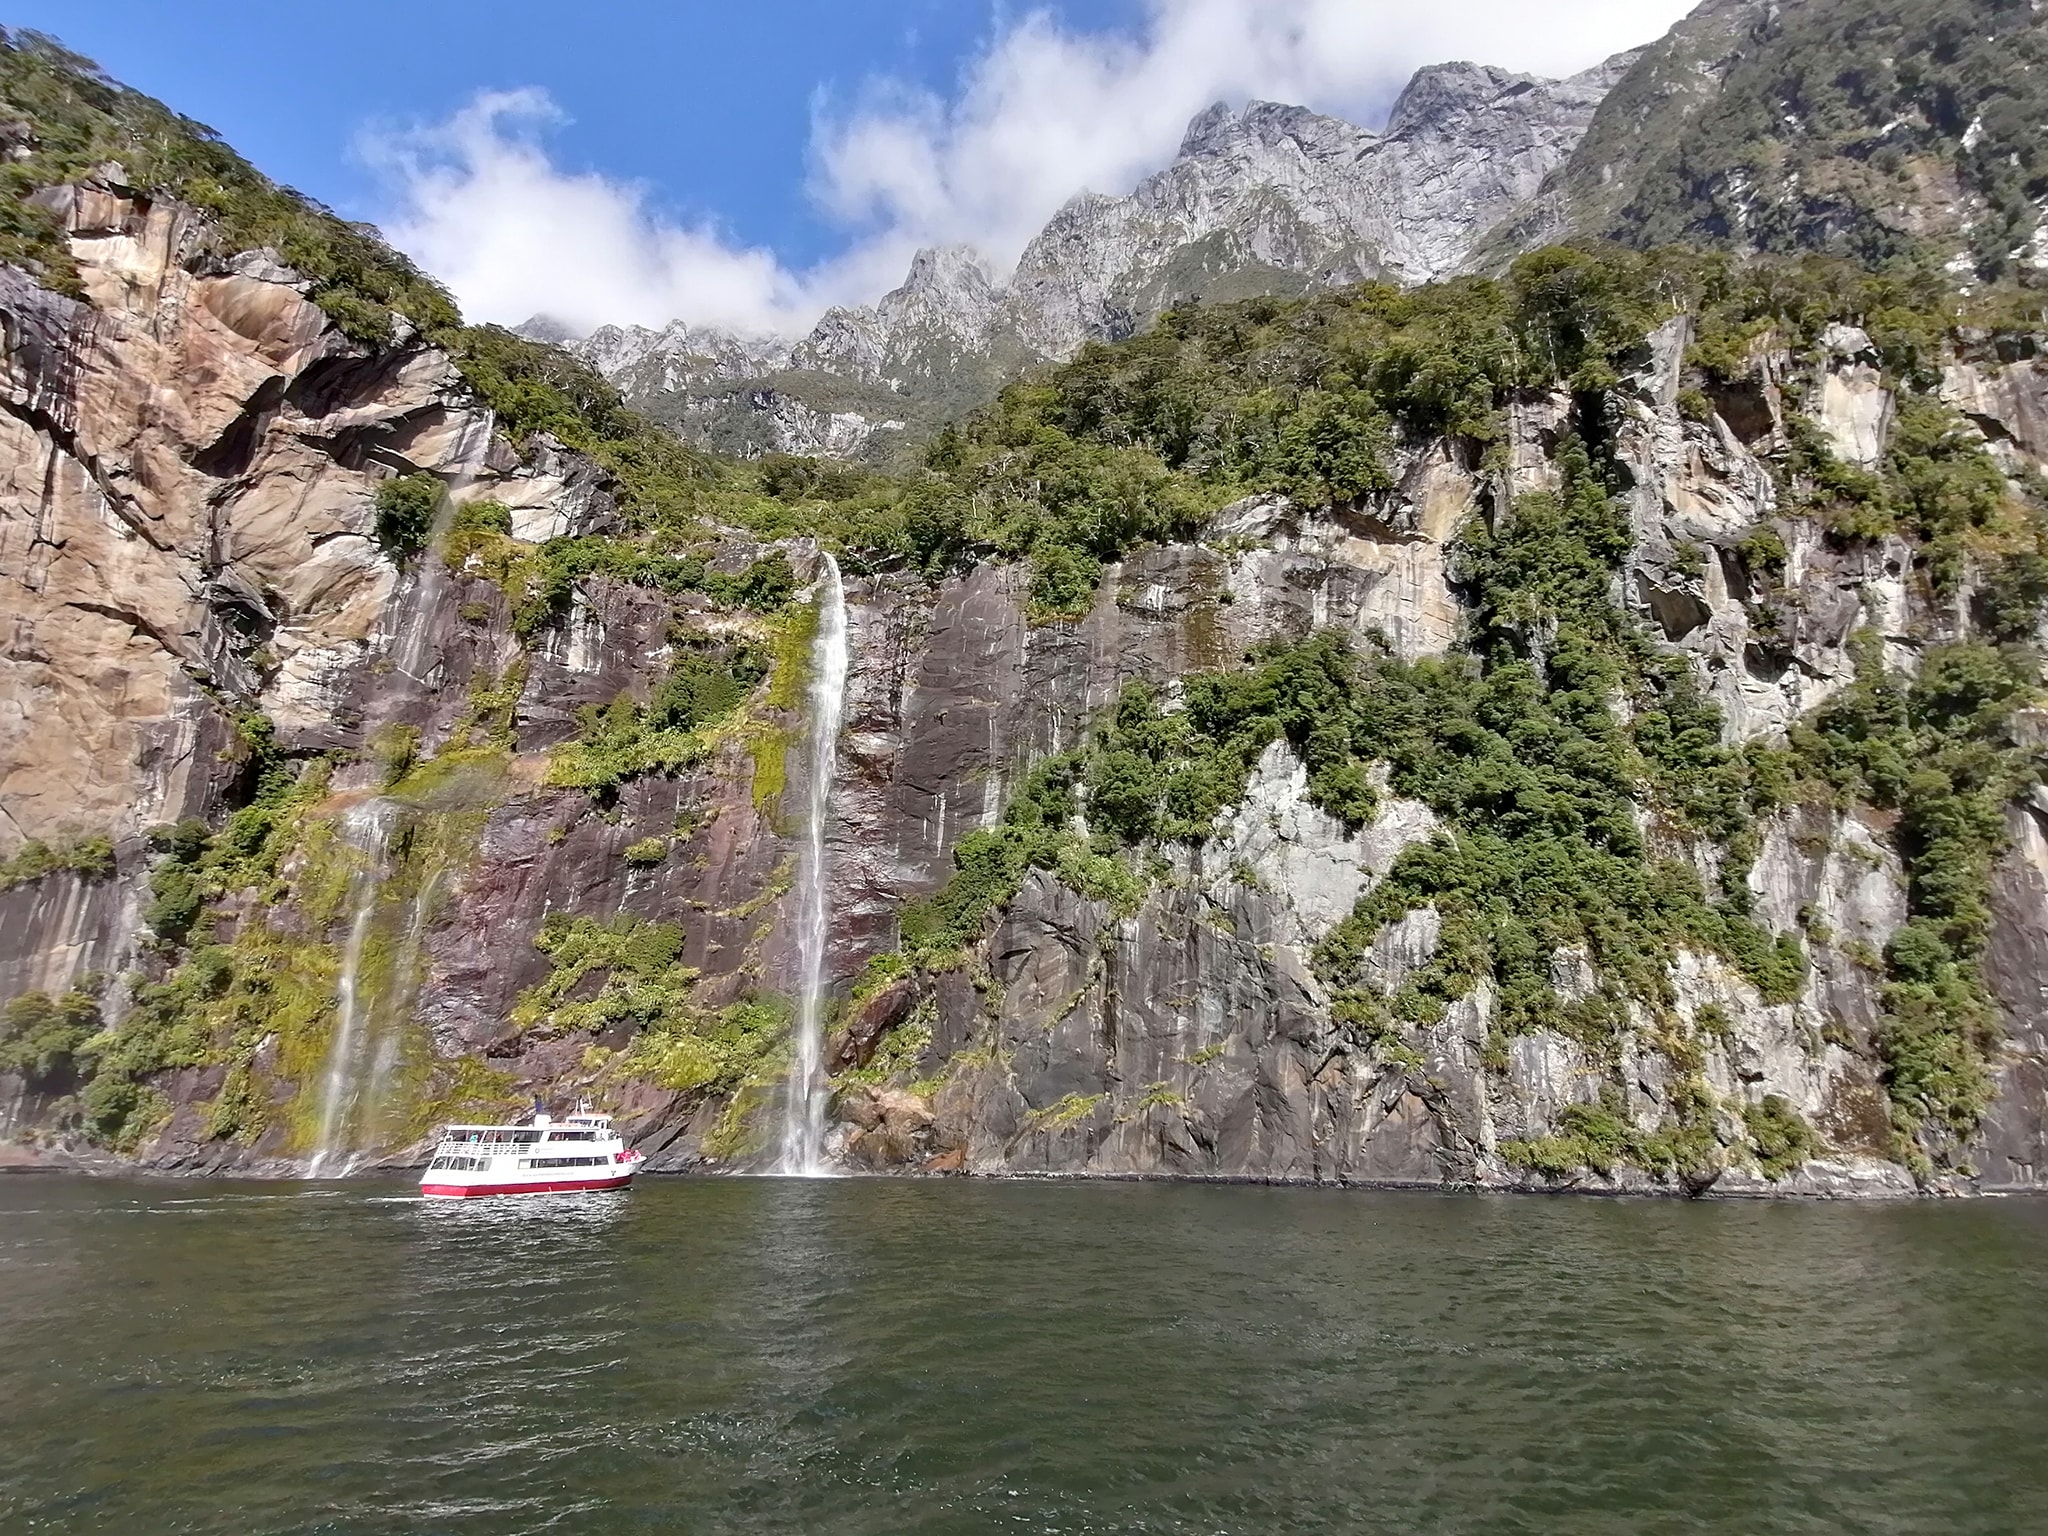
(856, 1356)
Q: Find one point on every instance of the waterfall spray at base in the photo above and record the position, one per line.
(803, 1124)
(358, 1065)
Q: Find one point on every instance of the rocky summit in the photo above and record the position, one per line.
(1269, 200)
(1577, 724)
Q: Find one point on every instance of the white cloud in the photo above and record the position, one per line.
(1044, 113)
(1048, 112)
(483, 209)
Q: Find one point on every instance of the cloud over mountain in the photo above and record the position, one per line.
(1043, 113)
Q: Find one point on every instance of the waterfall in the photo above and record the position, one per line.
(390, 1044)
(803, 1126)
(348, 1077)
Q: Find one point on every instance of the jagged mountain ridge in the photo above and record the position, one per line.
(1877, 131)
(1271, 199)
(1880, 132)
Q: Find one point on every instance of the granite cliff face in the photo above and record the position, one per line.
(188, 535)
(1272, 199)
(312, 840)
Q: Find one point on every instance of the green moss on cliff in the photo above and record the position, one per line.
(718, 1049)
(636, 967)
(624, 979)
(706, 683)
(91, 857)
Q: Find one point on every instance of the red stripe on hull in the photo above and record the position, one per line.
(559, 1187)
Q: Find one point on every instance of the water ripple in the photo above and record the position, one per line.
(861, 1357)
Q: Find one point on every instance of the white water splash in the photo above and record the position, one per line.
(803, 1126)
(351, 1062)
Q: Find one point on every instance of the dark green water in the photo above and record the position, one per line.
(856, 1357)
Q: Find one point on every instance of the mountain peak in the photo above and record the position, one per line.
(1263, 196)
(547, 328)
(1208, 130)
(1438, 91)
(1216, 132)
(948, 269)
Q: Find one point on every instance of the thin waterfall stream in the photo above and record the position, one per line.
(351, 1053)
(396, 877)
(803, 1126)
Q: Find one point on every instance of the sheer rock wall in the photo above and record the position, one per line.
(187, 466)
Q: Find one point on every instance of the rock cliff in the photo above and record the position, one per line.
(314, 835)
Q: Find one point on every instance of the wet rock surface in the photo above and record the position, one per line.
(187, 466)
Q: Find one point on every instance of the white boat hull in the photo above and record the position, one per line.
(444, 1186)
(577, 1155)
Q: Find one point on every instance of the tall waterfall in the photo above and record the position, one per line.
(349, 1081)
(803, 1124)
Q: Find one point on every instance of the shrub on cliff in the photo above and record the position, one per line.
(91, 857)
(406, 505)
(704, 685)
(40, 1035)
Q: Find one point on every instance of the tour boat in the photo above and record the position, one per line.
(545, 1156)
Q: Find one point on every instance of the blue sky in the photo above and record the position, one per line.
(747, 164)
(710, 102)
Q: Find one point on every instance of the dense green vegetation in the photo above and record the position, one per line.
(1603, 1138)
(1543, 744)
(42, 1037)
(406, 505)
(92, 857)
(1938, 750)
(211, 998)
(1524, 757)
(643, 979)
(1939, 486)
(1782, 1140)
(1037, 831)
(199, 865)
(60, 1045)
(705, 684)
(1835, 126)
(623, 980)
(1137, 442)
